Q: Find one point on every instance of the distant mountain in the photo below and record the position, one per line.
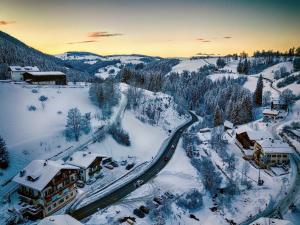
(15, 52)
(104, 66)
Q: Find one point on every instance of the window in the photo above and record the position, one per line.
(61, 200)
(49, 208)
(54, 205)
(67, 197)
(71, 193)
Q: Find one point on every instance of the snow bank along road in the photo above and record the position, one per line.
(127, 187)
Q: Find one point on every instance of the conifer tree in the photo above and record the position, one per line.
(259, 91)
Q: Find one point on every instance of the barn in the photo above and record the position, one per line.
(47, 77)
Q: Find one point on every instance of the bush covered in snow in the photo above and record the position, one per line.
(120, 135)
(288, 80)
(211, 178)
(192, 200)
(31, 108)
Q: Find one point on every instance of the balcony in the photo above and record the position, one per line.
(28, 194)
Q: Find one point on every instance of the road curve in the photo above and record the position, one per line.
(128, 187)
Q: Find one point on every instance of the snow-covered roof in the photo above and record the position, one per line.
(274, 146)
(47, 73)
(24, 69)
(255, 135)
(271, 112)
(39, 173)
(59, 220)
(268, 221)
(278, 101)
(228, 124)
(83, 159)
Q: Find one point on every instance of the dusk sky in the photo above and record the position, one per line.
(165, 28)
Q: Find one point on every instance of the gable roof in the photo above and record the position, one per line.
(228, 124)
(47, 73)
(39, 173)
(24, 69)
(271, 112)
(59, 220)
(268, 221)
(83, 159)
(255, 135)
(275, 146)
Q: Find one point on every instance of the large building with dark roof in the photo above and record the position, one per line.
(47, 77)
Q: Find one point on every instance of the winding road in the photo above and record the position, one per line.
(127, 187)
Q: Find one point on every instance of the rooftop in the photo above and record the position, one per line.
(83, 159)
(271, 112)
(256, 135)
(24, 69)
(39, 173)
(228, 124)
(275, 146)
(47, 73)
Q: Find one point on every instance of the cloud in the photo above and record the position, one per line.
(100, 34)
(227, 37)
(4, 22)
(203, 40)
(81, 42)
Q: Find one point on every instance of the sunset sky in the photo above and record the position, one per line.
(165, 28)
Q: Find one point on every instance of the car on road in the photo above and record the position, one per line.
(139, 213)
(129, 166)
(166, 158)
(138, 183)
(173, 147)
(91, 181)
(144, 209)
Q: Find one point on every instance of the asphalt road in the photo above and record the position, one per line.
(127, 188)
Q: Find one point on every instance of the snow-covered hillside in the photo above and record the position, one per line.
(104, 66)
(192, 65)
(39, 133)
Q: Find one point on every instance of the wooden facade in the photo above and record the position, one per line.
(55, 78)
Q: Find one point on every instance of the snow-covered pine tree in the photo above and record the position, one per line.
(259, 91)
(217, 116)
(3, 154)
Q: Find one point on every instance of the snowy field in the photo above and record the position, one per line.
(192, 64)
(39, 133)
(220, 76)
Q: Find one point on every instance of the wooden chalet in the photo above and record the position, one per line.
(49, 77)
(45, 187)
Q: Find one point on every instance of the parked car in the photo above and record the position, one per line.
(91, 181)
(129, 166)
(166, 158)
(138, 183)
(158, 200)
(139, 213)
(110, 167)
(169, 195)
(114, 163)
(123, 163)
(80, 184)
(100, 175)
(144, 209)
